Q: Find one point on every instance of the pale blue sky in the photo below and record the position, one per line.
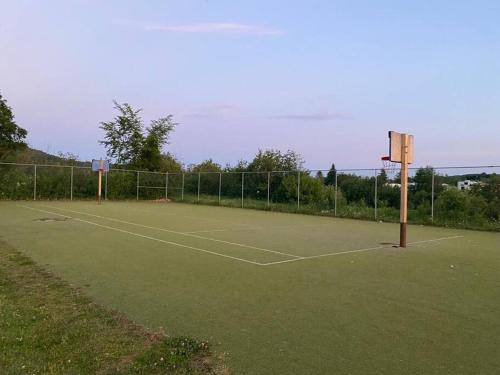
(324, 78)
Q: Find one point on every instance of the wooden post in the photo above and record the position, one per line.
(99, 187)
(403, 219)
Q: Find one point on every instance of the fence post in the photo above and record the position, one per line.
(298, 190)
(335, 196)
(106, 186)
(166, 186)
(432, 196)
(137, 186)
(199, 178)
(376, 194)
(34, 184)
(71, 188)
(220, 186)
(182, 188)
(242, 187)
(268, 188)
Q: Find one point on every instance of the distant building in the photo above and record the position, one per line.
(466, 184)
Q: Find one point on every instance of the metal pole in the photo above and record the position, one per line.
(242, 187)
(71, 191)
(268, 188)
(166, 186)
(335, 196)
(106, 186)
(34, 185)
(182, 189)
(298, 190)
(199, 178)
(376, 197)
(432, 196)
(137, 186)
(220, 186)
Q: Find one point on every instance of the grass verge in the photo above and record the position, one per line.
(47, 327)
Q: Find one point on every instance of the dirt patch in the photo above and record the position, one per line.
(50, 219)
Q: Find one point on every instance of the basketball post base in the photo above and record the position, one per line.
(402, 234)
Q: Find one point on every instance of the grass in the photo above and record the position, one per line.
(47, 327)
(344, 210)
(430, 309)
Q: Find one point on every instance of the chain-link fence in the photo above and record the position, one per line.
(456, 196)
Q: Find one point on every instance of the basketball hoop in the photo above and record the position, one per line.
(389, 166)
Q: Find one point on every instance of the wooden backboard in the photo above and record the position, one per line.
(395, 152)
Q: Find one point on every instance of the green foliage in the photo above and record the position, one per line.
(206, 166)
(330, 176)
(169, 163)
(123, 137)
(128, 144)
(12, 136)
(275, 160)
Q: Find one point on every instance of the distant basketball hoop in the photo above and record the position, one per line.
(400, 155)
(101, 166)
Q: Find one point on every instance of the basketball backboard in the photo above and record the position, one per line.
(395, 151)
(100, 165)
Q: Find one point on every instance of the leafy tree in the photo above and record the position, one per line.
(275, 160)
(12, 136)
(206, 166)
(330, 176)
(382, 178)
(423, 179)
(127, 143)
(451, 204)
(150, 157)
(320, 177)
(169, 163)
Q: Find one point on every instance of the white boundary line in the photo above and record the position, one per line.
(236, 258)
(147, 237)
(206, 231)
(360, 250)
(176, 232)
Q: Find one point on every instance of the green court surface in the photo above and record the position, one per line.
(281, 293)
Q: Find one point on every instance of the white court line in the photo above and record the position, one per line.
(360, 250)
(176, 232)
(143, 236)
(236, 258)
(206, 231)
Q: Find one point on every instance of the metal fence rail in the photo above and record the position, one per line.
(359, 192)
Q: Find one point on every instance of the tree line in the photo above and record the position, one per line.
(132, 145)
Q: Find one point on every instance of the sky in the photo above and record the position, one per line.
(326, 79)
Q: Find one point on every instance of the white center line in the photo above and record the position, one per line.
(360, 250)
(175, 232)
(144, 236)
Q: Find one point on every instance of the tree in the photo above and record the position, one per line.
(126, 142)
(423, 179)
(169, 163)
(12, 136)
(330, 176)
(150, 157)
(206, 166)
(275, 160)
(320, 177)
(382, 178)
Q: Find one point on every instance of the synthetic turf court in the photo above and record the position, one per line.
(282, 293)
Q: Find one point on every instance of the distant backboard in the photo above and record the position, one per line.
(100, 165)
(395, 152)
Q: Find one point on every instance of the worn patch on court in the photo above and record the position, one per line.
(51, 219)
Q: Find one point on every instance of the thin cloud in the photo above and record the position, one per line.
(205, 28)
(217, 110)
(321, 116)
